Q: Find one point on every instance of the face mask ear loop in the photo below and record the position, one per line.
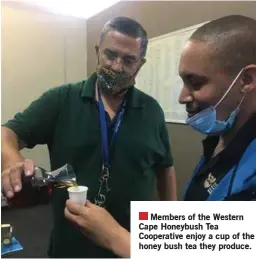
(241, 101)
(239, 74)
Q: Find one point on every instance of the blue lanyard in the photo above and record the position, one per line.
(104, 129)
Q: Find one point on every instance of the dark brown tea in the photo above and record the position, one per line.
(30, 195)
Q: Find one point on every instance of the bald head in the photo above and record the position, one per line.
(233, 39)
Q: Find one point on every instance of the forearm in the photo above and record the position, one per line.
(10, 148)
(166, 184)
(120, 244)
(168, 193)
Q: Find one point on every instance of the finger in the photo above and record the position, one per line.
(70, 216)
(6, 183)
(15, 177)
(29, 167)
(75, 208)
(90, 204)
(74, 218)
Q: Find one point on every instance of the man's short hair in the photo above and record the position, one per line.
(234, 40)
(128, 27)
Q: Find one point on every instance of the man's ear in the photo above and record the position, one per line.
(249, 79)
(97, 49)
(142, 62)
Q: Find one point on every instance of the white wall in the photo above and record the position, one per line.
(39, 51)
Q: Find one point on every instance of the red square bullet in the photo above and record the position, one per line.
(143, 215)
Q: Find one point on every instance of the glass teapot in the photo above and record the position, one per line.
(36, 189)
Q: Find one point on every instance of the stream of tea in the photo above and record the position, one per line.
(66, 183)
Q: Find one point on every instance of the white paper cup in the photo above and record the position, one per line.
(78, 194)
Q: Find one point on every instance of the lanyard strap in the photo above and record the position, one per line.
(104, 129)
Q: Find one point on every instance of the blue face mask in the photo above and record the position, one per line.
(206, 121)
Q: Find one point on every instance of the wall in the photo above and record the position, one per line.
(39, 51)
(161, 17)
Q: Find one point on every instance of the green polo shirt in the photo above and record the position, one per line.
(66, 118)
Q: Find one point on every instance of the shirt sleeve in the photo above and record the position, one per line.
(35, 125)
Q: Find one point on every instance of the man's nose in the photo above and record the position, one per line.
(117, 65)
(185, 96)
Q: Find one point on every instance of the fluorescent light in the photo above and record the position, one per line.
(76, 8)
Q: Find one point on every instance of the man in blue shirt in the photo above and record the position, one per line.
(218, 69)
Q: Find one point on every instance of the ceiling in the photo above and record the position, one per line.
(75, 8)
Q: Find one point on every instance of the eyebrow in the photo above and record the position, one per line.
(188, 76)
(127, 56)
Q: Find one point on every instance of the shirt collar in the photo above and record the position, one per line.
(88, 90)
(238, 144)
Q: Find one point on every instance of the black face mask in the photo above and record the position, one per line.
(114, 82)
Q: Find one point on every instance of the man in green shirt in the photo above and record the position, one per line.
(113, 135)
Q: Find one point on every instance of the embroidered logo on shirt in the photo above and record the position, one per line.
(210, 183)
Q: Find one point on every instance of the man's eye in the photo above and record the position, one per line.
(110, 55)
(129, 61)
(196, 84)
